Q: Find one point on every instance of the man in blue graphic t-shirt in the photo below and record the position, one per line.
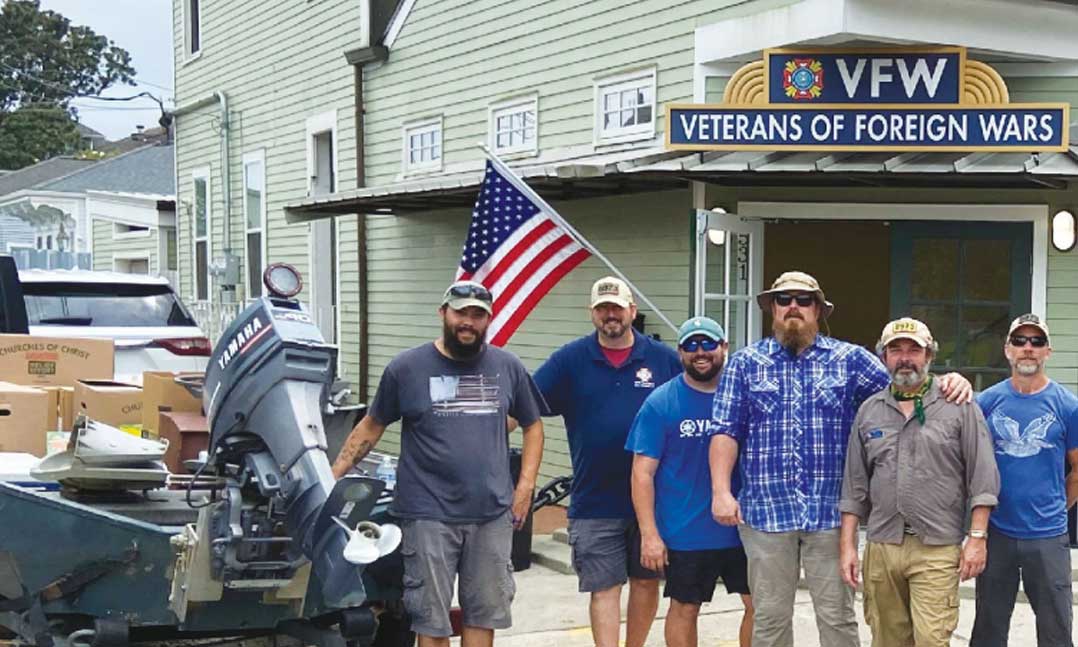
(1034, 425)
(671, 488)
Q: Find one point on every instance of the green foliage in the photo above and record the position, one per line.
(45, 61)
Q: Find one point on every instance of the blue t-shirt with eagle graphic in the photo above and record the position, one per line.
(1031, 435)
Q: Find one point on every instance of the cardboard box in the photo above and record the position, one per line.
(160, 393)
(113, 403)
(54, 407)
(54, 361)
(67, 407)
(187, 435)
(24, 419)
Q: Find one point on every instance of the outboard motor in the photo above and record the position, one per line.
(266, 386)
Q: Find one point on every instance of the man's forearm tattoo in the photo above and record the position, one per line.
(356, 450)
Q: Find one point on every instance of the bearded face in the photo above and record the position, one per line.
(464, 331)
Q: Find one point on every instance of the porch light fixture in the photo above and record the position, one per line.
(717, 237)
(1063, 231)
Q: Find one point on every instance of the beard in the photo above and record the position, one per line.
(794, 333)
(906, 375)
(704, 375)
(613, 328)
(1027, 366)
(458, 348)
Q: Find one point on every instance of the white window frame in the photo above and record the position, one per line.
(421, 127)
(618, 83)
(119, 233)
(254, 157)
(135, 256)
(203, 173)
(318, 124)
(188, 55)
(508, 108)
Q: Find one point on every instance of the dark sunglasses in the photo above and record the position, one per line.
(1038, 341)
(803, 300)
(692, 345)
(469, 292)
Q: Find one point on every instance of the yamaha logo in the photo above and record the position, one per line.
(251, 332)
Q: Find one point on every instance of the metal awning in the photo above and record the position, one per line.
(655, 170)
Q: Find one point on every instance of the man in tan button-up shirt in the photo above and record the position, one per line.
(915, 464)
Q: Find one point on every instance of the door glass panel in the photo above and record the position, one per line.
(942, 320)
(935, 264)
(987, 270)
(716, 262)
(983, 329)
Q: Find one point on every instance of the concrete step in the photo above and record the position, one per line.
(561, 534)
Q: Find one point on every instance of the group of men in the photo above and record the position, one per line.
(692, 466)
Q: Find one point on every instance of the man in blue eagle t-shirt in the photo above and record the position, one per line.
(671, 488)
(1034, 425)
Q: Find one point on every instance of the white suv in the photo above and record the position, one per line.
(152, 329)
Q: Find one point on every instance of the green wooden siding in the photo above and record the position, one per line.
(107, 246)
(413, 258)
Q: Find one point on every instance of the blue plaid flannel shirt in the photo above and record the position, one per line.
(791, 418)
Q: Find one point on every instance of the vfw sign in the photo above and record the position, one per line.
(884, 100)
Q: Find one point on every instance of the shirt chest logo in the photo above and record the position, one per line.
(690, 428)
(643, 378)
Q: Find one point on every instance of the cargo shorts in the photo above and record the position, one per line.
(606, 552)
(475, 556)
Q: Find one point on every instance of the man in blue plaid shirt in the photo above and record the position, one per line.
(787, 403)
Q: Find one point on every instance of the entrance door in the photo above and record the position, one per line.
(967, 281)
(729, 272)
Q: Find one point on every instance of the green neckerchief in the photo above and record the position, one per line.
(917, 397)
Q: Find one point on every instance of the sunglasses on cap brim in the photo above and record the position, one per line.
(469, 292)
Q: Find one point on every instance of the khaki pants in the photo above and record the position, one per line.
(911, 593)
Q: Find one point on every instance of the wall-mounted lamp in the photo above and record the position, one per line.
(717, 237)
(1063, 231)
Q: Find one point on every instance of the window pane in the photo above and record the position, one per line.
(985, 328)
(202, 291)
(987, 271)
(436, 152)
(628, 98)
(200, 207)
(254, 265)
(253, 186)
(413, 156)
(627, 118)
(935, 268)
(942, 321)
(529, 134)
(643, 115)
(105, 304)
(529, 118)
(610, 101)
(610, 121)
(644, 95)
(502, 140)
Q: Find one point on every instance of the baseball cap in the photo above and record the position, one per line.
(611, 289)
(907, 328)
(704, 326)
(462, 294)
(797, 282)
(1029, 319)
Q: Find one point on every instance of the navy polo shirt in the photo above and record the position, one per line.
(598, 403)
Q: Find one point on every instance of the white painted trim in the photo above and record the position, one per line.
(133, 256)
(188, 55)
(1034, 29)
(436, 125)
(1033, 213)
(364, 39)
(397, 23)
(513, 105)
(254, 157)
(617, 82)
(162, 251)
(202, 173)
(337, 288)
(701, 72)
(316, 125)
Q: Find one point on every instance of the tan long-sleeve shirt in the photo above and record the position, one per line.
(900, 472)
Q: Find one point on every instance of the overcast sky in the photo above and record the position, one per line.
(143, 28)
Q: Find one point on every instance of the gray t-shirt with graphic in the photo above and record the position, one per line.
(454, 463)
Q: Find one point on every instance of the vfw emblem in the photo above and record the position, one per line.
(643, 378)
(802, 78)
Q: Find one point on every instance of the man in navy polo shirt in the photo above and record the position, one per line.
(597, 384)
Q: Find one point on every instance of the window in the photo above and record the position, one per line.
(513, 126)
(423, 146)
(254, 209)
(200, 229)
(120, 230)
(192, 27)
(322, 153)
(625, 107)
(131, 264)
(103, 304)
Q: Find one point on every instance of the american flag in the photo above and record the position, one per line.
(517, 248)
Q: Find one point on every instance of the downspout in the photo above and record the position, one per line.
(228, 275)
(358, 58)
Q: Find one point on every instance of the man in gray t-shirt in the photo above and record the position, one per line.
(454, 494)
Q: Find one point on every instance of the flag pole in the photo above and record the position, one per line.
(523, 187)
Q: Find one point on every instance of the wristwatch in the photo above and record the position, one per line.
(978, 534)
